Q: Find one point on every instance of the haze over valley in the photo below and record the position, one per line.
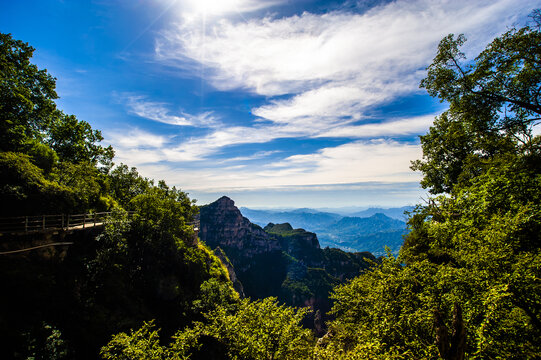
(357, 230)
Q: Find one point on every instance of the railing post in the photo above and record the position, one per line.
(94, 218)
(62, 221)
(68, 225)
(84, 220)
(26, 224)
(43, 222)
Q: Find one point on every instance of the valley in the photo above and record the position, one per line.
(278, 260)
(369, 230)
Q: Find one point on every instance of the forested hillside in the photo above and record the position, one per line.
(63, 304)
(466, 283)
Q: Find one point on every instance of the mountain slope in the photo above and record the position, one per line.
(370, 234)
(278, 260)
(370, 231)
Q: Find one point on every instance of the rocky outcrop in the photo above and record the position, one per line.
(300, 237)
(278, 260)
(223, 225)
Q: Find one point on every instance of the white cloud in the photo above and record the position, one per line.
(357, 162)
(193, 10)
(373, 50)
(328, 71)
(199, 148)
(258, 155)
(159, 111)
(326, 105)
(333, 66)
(408, 126)
(136, 138)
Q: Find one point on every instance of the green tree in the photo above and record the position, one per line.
(493, 102)
(151, 266)
(126, 183)
(385, 313)
(142, 344)
(75, 141)
(65, 149)
(24, 189)
(30, 117)
(27, 96)
(259, 330)
(482, 153)
(472, 257)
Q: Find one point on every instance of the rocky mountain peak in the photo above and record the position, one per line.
(222, 224)
(225, 203)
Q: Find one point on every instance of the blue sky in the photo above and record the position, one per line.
(275, 103)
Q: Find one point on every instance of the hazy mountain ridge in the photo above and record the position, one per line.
(308, 219)
(374, 229)
(395, 213)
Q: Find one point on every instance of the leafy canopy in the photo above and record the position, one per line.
(467, 282)
(493, 103)
(261, 330)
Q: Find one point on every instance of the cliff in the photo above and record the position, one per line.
(223, 225)
(278, 260)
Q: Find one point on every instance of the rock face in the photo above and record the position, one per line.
(277, 260)
(223, 225)
(295, 236)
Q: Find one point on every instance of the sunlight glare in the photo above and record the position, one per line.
(213, 7)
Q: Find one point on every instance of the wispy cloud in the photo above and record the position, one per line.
(257, 156)
(375, 160)
(323, 106)
(332, 67)
(377, 51)
(318, 76)
(357, 162)
(398, 127)
(193, 10)
(159, 111)
(137, 138)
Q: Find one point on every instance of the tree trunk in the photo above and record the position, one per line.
(453, 348)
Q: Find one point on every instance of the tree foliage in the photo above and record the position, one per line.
(467, 282)
(259, 330)
(29, 113)
(493, 102)
(26, 190)
(32, 128)
(27, 95)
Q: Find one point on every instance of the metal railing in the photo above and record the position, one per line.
(40, 223)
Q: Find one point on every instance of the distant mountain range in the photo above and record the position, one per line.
(395, 213)
(307, 219)
(367, 230)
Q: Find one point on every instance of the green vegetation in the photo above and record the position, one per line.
(51, 162)
(471, 285)
(260, 329)
(366, 231)
(466, 283)
(150, 266)
(372, 233)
